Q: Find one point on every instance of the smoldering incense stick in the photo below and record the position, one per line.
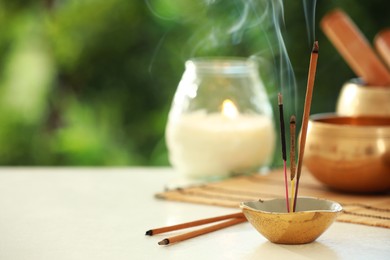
(292, 157)
(292, 146)
(306, 114)
(283, 139)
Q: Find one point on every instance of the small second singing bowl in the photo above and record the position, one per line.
(311, 218)
(349, 153)
(357, 99)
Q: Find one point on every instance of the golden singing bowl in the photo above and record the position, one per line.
(356, 99)
(311, 218)
(349, 153)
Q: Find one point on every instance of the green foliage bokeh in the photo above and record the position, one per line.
(90, 82)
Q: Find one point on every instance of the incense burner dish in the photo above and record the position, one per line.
(349, 153)
(356, 99)
(311, 218)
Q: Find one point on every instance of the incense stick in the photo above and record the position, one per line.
(193, 224)
(306, 114)
(283, 139)
(202, 231)
(292, 157)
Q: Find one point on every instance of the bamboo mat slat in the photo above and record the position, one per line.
(372, 210)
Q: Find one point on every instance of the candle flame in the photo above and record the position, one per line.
(229, 109)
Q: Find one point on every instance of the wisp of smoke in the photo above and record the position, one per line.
(287, 81)
(221, 23)
(309, 7)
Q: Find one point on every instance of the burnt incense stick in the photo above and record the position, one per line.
(283, 140)
(202, 231)
(292, 146)
(306, 114)
(292, 158)
(192, 224)
(282, 129)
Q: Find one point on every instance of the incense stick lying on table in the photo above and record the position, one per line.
(306, 114)
(232, 219)
(227, 223)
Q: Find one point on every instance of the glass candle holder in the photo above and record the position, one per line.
(221, 121)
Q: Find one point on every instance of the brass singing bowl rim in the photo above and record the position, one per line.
(350, 126)
(360, 85)
(334, 119)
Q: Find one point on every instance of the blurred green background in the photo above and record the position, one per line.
(90, 82)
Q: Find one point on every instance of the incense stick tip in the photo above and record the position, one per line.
(149, 233)
(280, 99)
(164, 242)
(293, 119)
(315, 47)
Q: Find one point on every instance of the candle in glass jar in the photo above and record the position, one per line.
(220, 144)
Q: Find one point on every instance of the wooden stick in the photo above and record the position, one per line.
(202, 231)
(292, 146)
(382, 45)
(193, 224)
(292, 158)
(283, 140)
(354, 48)
(306, 114)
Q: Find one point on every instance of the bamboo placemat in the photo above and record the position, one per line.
(372, 210)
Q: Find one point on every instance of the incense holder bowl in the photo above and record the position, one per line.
(349, 154)
(357, 99)
(311, 218)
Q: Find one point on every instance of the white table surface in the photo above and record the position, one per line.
(103, 213)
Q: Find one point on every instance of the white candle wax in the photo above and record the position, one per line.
(213, 145)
